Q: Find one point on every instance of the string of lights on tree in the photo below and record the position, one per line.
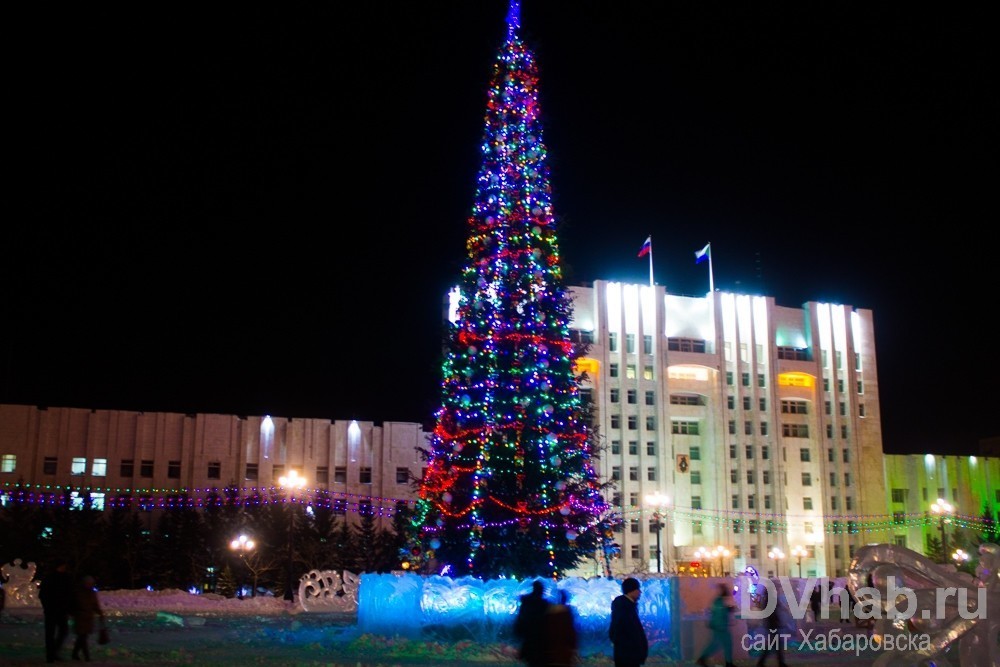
(510, 487)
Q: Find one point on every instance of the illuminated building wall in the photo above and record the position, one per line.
(160, 455)
(759, 422)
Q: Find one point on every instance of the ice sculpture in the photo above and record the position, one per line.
(327, 591)
(439, 607)
(20, 589)
(957, 620)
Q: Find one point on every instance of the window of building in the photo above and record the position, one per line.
(807, 479)
(322, 474)
(833, 479)
(795, 430)
(8, 463)
(633, 422)
(748, 428)
(633, 447)
(633, 499)
(647, 373)
(826, 385)
(634, 551)
(696, 527)
(685, 345)
(843, 432)
(748, 451)
(732, 451)
(616, 421)
(685, 399)
(761, 380)
(126, 468)
(752, 526)
(729, 378)
(861, 387)
(650, 398)
(340, 475)
(633, 526)
(146, 468)
(765, 452)
(277, 471)
(630, 371)
(651, 448)
(695, 452)
(829, 430)
(792, 353)
(751, 502)
(843, 409)
(861, 409)
(78, 466)
(684, 427)
(251, 472)
(834, 505)
(173, 469)
(214, 470)
(365, 475)
(695, 476)
(827, 407)
(899, 495)
(735, 501)
(731, 402)
(647, 344)
(339, 506)
(612, 341)
(733, 476)
(746, 402)
(762, 404)
(847, 456)
(829, 454)
(651, 474)
(616, 447)
(848, 503)
(732, 427)
(847, 479)
(614, 395)
(750, 475)
(650, 423)
(753, 551)
(616, 473)
(613, 370)
(765, 477)
(794, 407)
(402, 475)
(633, 473)
(807, 503)
(745, 379)
(840, 385)
(696, 502)
(630, 343)
(899, 540)
(804, 455)
(767, 502)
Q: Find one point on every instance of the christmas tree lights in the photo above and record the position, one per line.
(511, 488)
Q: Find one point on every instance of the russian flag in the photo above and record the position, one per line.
(646, 247)
(703, 254)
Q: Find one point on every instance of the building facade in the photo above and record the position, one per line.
(736, 431)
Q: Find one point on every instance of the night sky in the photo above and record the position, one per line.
(259, 211)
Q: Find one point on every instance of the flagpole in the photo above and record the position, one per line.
(650, 263)
(711, 278)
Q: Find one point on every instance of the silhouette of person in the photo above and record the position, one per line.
(718, 623)
(56, 594)
(560, 631)
(774, 643)
(529, 625)
(628, 637)
(87, 608)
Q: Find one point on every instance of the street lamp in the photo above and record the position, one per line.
(293, 482)
(777, 555)
(942, 509)
(242, 544)
(961, 557)
(722, 553)
(798, 551)
(658, 501)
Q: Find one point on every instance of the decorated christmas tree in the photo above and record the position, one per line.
(511, 487)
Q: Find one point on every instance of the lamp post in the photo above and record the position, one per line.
(777, 555)
(961, 557)
(722, 553)
(293, 482)
(242, 544)
(942, 509)
(658, 502)
(798, 551)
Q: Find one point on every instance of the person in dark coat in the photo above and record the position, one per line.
(56, 593)
(529, 626)
(88, 608)
(561, 640)
(631, 648)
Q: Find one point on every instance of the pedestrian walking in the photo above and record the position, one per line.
(718, 623)
(628, 637)
(561, 643)
(529, 626)
(87, 609)
(815, 599)
(56, 594)
(775, 640)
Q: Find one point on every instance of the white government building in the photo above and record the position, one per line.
(738, 432)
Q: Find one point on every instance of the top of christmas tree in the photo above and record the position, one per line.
(510, 488)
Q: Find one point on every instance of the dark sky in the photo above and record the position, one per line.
(259, 211)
